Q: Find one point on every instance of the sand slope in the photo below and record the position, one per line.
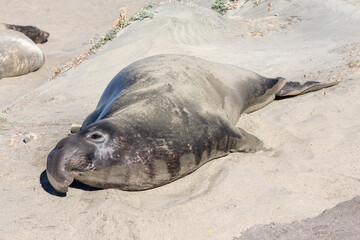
(71, 25)
(340, 222)
(315, 142)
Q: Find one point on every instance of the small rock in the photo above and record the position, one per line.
(354, 63)
(13, 141)
(29, 137)
(75, 128)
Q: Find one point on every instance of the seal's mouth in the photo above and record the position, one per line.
(59, 186)
(45, 37)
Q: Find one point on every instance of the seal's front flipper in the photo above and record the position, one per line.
(243, 141)
(296, 88)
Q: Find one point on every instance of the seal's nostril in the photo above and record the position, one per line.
(60, 144)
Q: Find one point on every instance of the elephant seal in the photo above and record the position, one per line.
(160, 119)
(18, 54)
(32, 32)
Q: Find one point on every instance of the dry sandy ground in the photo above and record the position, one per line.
(314, 163)
(340, 222)
(71, 25)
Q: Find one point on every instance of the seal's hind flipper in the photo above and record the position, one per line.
(296, 88)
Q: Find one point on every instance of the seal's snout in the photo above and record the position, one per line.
(58, 167)
(45, 37)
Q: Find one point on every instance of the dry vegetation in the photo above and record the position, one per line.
(121, 22)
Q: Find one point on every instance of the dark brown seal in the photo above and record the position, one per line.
(32, 32)
(160, 119)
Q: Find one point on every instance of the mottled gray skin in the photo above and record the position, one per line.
(160, 119)
(18, 54)
(32, 32)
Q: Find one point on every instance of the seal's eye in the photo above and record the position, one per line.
(97, 137)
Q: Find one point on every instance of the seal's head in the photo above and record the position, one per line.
(80, 154)
(36, 34)
(32, 32)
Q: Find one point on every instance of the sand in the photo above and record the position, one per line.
(314, 139)
(340, 222)
(71, 24)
